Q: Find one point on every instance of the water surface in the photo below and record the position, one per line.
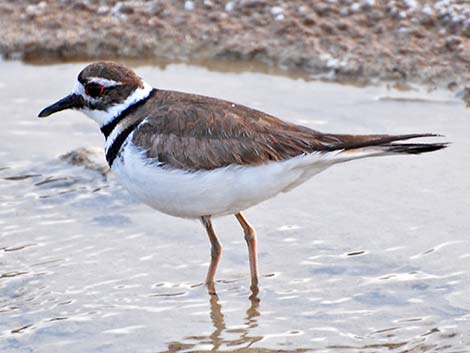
(370, 256)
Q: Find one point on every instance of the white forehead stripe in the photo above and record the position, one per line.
(104, 81)
(80, 89)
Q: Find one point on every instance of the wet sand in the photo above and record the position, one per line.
(370, 256)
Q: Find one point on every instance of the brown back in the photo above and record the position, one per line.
(192, 132)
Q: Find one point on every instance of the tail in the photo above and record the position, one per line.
(412, 148)
(384, 145)
(342, 148)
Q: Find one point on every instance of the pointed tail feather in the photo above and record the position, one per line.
(412, 148)
(346, 142)
(385, 146)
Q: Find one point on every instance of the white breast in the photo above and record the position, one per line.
(217, 192)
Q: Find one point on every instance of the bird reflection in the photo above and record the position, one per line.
(217, 318)
(216, 339)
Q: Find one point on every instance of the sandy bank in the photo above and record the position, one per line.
(404, 40)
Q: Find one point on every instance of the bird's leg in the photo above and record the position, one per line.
(250, 237)
(216, 252)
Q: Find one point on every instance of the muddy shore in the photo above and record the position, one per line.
(360, 40)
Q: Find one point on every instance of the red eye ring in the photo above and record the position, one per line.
(94, 90)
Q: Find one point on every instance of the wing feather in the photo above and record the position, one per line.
(194, 132)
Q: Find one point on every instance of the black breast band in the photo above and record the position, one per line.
(116, 145)
(113, 150)
(109, 127)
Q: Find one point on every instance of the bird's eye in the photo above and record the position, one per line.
(94, 89)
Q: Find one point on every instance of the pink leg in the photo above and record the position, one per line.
(216, 252)
(250, 237)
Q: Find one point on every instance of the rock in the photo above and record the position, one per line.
(453, 42)
(309, 20)
(251, 4)
(321, 9)
(342, 26)
(327, 28)
(86, 158)
(126, 9)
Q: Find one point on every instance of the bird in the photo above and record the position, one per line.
(198, 157)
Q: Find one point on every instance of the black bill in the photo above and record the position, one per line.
(72, 101)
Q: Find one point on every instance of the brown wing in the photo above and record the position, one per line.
(194, 132)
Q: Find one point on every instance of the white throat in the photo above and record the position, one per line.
(103, 117)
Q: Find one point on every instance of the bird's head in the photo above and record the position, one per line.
(102, 91)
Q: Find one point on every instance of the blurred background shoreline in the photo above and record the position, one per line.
(369, 257)
(360, 41)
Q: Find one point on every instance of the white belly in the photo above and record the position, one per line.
(217, 192)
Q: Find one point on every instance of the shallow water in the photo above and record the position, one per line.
(370, 256)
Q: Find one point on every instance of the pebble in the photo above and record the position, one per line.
(276, 10)
(229, 6)
(189, 5)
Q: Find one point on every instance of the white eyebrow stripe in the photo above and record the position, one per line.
(104, 81)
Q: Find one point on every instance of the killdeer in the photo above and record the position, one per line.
(192, 156)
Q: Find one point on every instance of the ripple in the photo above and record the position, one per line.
(124, 330)
(22, 177)
(16, 248)
(347, 263)
(13, 274)
(436, 248)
